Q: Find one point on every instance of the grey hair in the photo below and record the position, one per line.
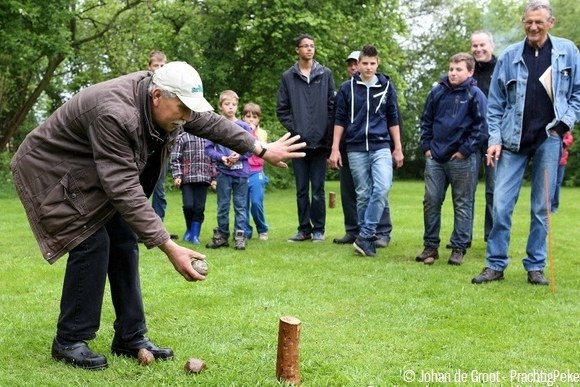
(486, 33)
(164, 93)
(535, 5)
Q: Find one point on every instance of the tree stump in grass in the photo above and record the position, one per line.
(288, 360)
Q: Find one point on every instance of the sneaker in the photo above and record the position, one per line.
(383, 241)
(347, 239)
(240, 240)
(318, 237)
(428, 256)
(217, 241)
(488, 275)
(456, 257)
(300, 237)
(365, 246)
(536, 277)
(263, 236)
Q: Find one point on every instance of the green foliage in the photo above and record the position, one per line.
(240, 45)
(364, 320)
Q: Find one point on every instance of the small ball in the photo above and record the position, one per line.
(194, 366)
(200, 265)
(145, 357)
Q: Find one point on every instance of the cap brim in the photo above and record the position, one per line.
(197, 104)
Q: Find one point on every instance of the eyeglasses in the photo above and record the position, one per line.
(306, 46)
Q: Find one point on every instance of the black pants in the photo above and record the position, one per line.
(112, 250)
(348, 199)
(310, 173)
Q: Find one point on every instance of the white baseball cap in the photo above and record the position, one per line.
(183, 80)
(353, 55)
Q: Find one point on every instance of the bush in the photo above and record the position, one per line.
(6, 184)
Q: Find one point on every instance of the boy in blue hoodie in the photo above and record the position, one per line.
(453, 117)
(367, 113)
(232, 180)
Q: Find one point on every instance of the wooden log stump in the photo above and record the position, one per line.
(331, 199)
(288, 360)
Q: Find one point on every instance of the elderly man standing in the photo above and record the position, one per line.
(84, 176)
(534, 99)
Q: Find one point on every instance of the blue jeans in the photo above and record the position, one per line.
(256, 188)
(438, 176)
(372, 173)
(159, 202)
(348, 201)
(111, 251)
(310, 172)
(228, 188)
(559, 181)
(508, 182)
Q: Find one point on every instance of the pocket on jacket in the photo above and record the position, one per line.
(512, 90)
(63, 205)
(564, 81)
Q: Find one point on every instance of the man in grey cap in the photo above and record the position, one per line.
(84, 176)
(347, 190)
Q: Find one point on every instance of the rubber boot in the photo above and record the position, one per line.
(187, 214)
(195, 229)
(187, 235)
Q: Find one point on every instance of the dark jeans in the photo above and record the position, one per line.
(480, 159)
(438, 176)
(194, 196)
(112, 250)
(310, 173)
(348, 199)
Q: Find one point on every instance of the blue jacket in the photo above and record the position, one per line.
(453, 119)
(216, 151)
(507, 92)
(366, 113)
(306, 106)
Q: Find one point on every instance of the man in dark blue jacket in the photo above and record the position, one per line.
(306, 107)
(453, 117)
(367, 115)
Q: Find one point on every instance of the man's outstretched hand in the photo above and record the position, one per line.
(282, 149)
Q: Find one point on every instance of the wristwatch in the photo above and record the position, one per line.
(264, 149)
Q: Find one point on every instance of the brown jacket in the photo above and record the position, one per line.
(81, 165)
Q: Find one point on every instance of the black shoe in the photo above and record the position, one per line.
(365, 246)
(347, 239)
(173, 236)
(428, 256)
(300, 237)
(536, 277)
(488, 275)
(78, 354)
(450, 247)
(456, 257)
(131, 348)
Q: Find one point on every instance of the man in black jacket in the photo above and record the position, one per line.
(306, 107)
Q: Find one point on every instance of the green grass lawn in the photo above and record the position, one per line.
(365, 321)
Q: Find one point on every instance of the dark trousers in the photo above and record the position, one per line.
(310, 173)
(348, 199)
(112, 250)
(194, 197)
